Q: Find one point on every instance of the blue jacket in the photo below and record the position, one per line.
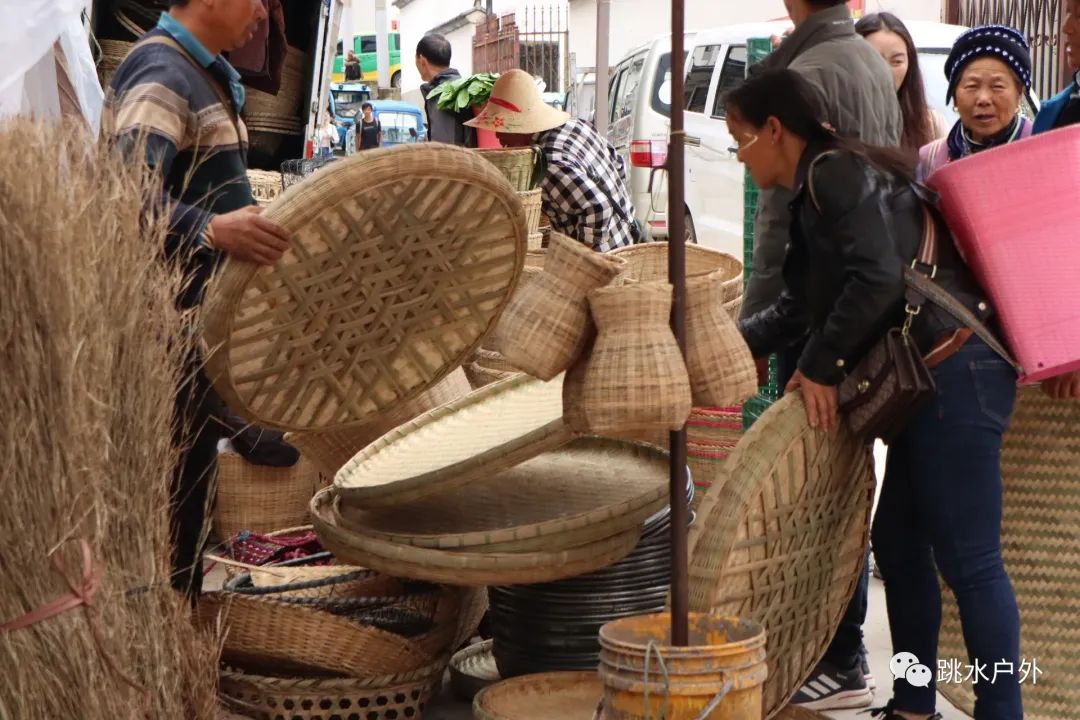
(1051, 110)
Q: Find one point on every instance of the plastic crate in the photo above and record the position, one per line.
(757, 50)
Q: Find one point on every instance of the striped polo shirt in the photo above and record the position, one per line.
(185, 102)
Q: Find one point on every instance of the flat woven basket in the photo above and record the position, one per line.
(460, 567)
(488, 430)
(330, 450)
(262, 499)
(1040, 537)
(545, 696)
(401, 262)
(370, 698)
(587, 491)
(789, 497)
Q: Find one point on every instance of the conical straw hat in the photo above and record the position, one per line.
(515, 106)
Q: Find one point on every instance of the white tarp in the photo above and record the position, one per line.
(28, 31)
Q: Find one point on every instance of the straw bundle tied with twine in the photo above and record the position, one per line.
(90, 351)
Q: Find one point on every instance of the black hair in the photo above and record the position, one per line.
(825, 3)
(793, 101)
(436, 49)
(177, 3)
(918, 129)
(367, 106)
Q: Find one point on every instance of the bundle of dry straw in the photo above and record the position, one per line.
(89, 349)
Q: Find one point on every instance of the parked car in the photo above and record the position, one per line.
(401, 123)
(639, 123)
(364, 46)
(346, 100)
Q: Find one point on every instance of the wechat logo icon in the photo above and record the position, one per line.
(905, 666)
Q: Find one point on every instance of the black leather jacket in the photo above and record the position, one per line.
(844, 269)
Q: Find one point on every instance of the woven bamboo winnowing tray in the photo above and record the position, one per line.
(462, 567)
(488, 430)
(1040, 468)
(589, 490)
(781, 538)
(401, 262)
(545, 696)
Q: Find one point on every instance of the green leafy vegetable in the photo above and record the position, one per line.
(460, 94)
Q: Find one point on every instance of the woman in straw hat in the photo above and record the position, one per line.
(584, 189)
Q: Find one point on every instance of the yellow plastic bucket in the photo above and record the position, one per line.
(718, 676)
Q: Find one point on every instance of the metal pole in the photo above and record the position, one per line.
(603, 28)
(680, 512)
(382, 44)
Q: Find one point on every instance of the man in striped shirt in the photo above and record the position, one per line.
(176, 99)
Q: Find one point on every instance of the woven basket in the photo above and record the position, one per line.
(649, 262)
(473, 669)
(519, 167)
(734, 307)
(330, 450)
(788, 497)
(546, 325)
(585, 492)
(1040, 467)
(536, 241)
(545, 696)
(712, 434)
(265, 635)
(401, 262)
(482, 433)
(500, 336)
(721, 368)
(636, 379)
(460, 567)
(260, 498)
(113, 53)
(532, 201)
(273, 698)
(265, 185)
(480, 376)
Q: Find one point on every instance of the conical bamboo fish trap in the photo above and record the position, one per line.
(401, 262)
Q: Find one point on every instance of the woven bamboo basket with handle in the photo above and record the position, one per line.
(788, 496)
(401, 262)
(330, 450)
(636, 378)
(545, 326)
(521, 167)
(721, 368)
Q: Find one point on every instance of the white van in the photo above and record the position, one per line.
(639, 117)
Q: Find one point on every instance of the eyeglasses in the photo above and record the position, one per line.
(736, 150)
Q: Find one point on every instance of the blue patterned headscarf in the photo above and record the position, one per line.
(997, 41)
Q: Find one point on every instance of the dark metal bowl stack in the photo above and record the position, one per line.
(555, 626)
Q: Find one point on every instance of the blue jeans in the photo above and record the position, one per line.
(940, 509)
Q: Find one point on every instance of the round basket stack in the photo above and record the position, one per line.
(331, 633)
(492, 489)
(555, 626)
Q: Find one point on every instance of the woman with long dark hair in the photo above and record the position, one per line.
(890, 37)
(857, 222)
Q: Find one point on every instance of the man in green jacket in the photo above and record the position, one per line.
(857, 94)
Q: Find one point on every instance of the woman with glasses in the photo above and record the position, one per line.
(856, 223)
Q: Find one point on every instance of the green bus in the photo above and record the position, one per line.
(364, 47)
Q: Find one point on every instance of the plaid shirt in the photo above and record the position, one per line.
(585, 194)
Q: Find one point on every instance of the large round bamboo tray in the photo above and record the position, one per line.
(482, 433)
(271, 636)
(369, 698)
(584, 492)
(1040, 467)
(789, 496)
(459, 567)
(260, 498)
(330, 450)
(562, 695)
(648, 262)
(401, 262)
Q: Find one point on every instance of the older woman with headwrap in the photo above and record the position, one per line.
(989, 73)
